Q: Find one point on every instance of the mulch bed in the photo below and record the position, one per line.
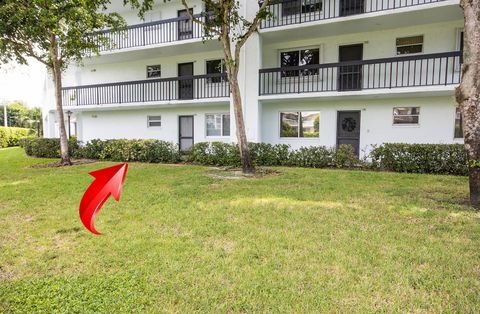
(237, 174)
(75, 162)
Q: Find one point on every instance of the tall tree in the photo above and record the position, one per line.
(56, 33)
(468, 94)
(224, 22)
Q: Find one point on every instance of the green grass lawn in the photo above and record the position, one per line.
(306, 240)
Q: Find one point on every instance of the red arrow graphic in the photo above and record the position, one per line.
(108, 181)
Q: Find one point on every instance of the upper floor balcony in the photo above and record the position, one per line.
(172, 30)
(290, 12)
(386, 74)
(182, 88)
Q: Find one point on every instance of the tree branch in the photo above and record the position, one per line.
(197, 20)
(251, 29)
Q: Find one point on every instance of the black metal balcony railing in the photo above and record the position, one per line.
(165, 89)
(152, 33)
(287, 12)
(407, 71)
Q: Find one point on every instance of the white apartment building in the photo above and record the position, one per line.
(322, 72)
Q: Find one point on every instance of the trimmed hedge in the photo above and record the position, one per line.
(47, 147)
(10, 136)
(414, 158)
(154, 151)
(421, 158)
(227, 154)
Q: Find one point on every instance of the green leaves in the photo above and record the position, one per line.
(33, 28)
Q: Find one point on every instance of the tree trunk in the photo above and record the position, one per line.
(245, 158)
(57, 79)
(468, 95)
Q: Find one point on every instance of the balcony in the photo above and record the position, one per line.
(153, 33)
(288, 12)
(388, 73)
(182, 88)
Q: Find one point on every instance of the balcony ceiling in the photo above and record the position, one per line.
(418, 15)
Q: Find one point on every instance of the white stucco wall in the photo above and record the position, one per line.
(436, 125)
(438, 37)
(132, 124)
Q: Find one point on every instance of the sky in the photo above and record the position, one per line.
(22, 82)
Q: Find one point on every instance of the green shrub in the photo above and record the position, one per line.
(416, 158)
(154, 151)
(10, 136)
(92, 149)
(345, 157)
(311, 157)
(42, 147)
(215, 154)
(264, 154)
(421, 158)
(116, 150)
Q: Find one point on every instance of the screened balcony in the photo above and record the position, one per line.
(424, 70)
(288, 12)
(155, 90)
(152, 33)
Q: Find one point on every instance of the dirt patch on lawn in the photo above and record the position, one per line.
(75, 162)
(237, 174)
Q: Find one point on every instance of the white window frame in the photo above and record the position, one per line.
(409, 54)
(406, 124)
(279, 126)
(221, 124)
(150, 118)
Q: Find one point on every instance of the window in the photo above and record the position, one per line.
(218, 124)
(408, 45)
(154, 71)
(458, 124)
(154, 121)
(406, 115)
(459, 47)
(299, 58)
(292, 7)
(209, 11)
(300, 124)
(213, 67)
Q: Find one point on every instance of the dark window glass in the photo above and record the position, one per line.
(226, 124)
(308, 57)
(461, 46)
(458, 124)
(310, 6)
(293, 7)
(215, 67)
(154, 71)
(406, 115)
(154, 121)
(289, 59)
(408, 45)
(299, 58)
